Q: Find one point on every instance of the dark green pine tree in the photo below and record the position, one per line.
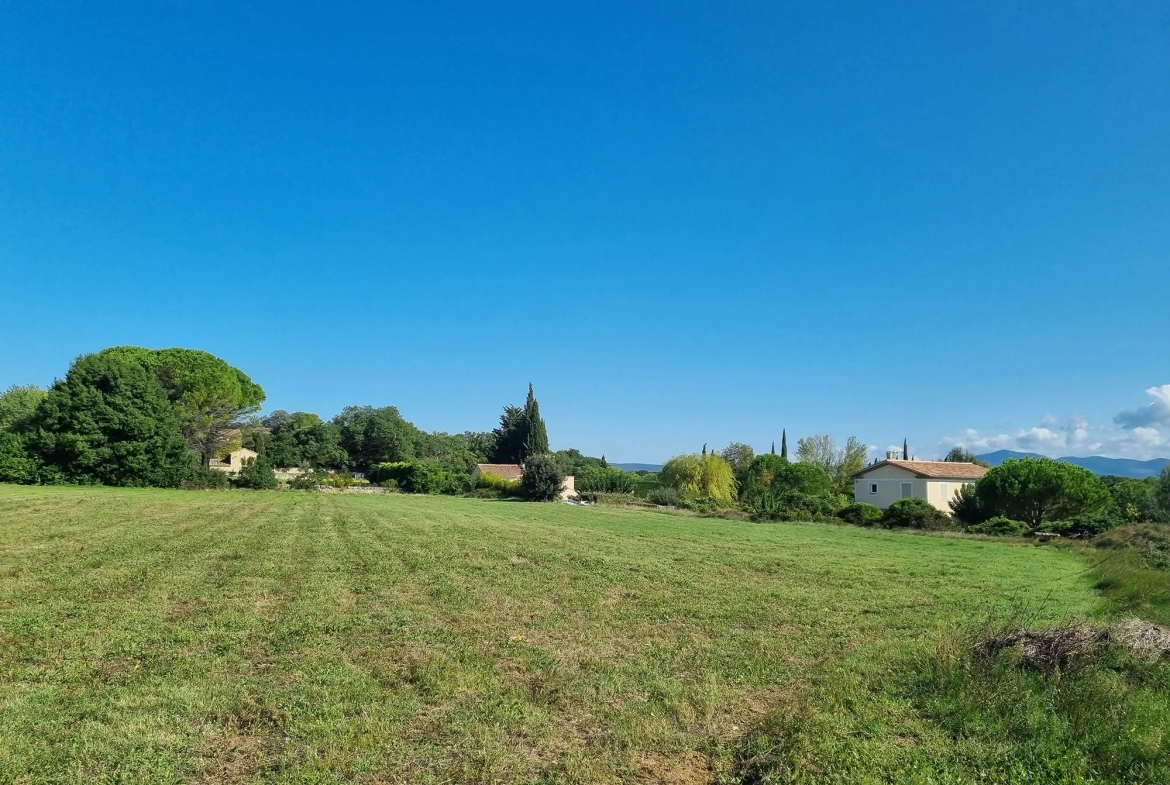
(704, 449)
(784, 443)
(773, 447)
(536, 443)
(905, 451)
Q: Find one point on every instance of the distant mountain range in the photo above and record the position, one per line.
(1098, 464)
(639, 467)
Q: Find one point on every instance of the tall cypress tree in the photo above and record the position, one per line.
(784, 443)
(773, 447)
(536, 443)
(905, 451)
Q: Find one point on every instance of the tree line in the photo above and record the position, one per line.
(138, 417)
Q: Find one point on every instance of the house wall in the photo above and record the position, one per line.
(569, 489)
(889, 480)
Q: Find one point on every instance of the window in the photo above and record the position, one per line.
(873, 489)
(907, 490)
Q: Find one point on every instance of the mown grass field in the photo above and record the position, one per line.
(156, 637)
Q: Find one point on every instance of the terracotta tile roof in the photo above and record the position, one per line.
(509, 471)
(935, 470)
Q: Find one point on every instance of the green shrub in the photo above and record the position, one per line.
(494, 482)
(1088, 523)
(915, 514)
(702, 503)
(393, 470)
(787, 505)
(860, 514)
(645, 483)
(543, 479)
(664, 497)
(1000, 526)
(201, 479)
(967, 507)
(342, 481)
(610, 499)
(16, 465)
(258, 475)
(426, 477)
(605, 479)
(306, 482)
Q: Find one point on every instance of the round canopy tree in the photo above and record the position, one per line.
(1035, 490)
(209, 397)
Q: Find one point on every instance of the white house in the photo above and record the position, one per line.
(938, 482)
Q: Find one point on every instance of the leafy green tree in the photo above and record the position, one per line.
(480, 445)
(17, 405)
(259, 475)
(739, 457)
(543, 479)
(302, 440)
(1034, 490)
(966, 506)
(109, 421)
(370, 436)
(16, 465)
(840, 464)
(960, 455)
(510, 436)
(762, 476)
(448, 451)
(700, 475)
(1135, 501)
(1162, 494)
(209, 396)
(536, 440)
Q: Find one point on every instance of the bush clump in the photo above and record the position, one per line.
(915, 514)
(605, 479)
(860, 514)
(258, 474)
(502, 488)
(664, 496)
(201, 479)
(999, 526)
(543, 479)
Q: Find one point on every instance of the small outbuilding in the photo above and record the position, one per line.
(938, 482)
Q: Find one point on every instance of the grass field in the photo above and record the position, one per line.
(155, 637)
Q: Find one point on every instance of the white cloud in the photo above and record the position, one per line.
(1155, 413)
(1141, 433)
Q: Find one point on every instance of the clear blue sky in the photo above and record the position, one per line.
(684, 222)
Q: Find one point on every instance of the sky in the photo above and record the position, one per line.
(683, 222)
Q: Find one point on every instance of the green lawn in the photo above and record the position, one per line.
(165, 636)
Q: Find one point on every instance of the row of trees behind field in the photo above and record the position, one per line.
(129, 416)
